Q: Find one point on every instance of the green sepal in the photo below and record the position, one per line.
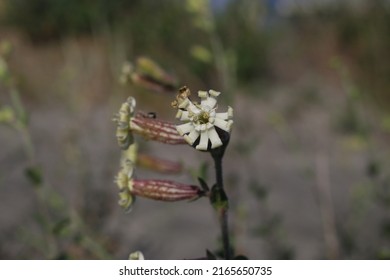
(203, 185)
(218, 198)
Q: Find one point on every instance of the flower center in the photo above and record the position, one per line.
(202, 117)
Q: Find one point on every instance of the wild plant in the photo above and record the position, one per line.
(203, 128)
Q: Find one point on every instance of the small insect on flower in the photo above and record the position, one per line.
(202, 120)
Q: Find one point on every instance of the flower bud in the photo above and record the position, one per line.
(157, 130)
(149, 127)
(164, 190)
(148, 74)
(160, 165)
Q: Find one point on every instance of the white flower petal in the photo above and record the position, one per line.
(222, 124)
(223, 116)
(182, 115)
(214, 138)
(204, 141)
(191, 138)
(126, 200)
(230, 112)
(128, 168)
(184, 104)
(201, 127)
(203, 94)
(193, 109)
(209, 102)
(185, 128)
(214, 93)
(132, 103)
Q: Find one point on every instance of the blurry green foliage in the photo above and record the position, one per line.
(181, 29)
(7, 115)
(258, 190)
(269, 225)
(350, 121)
(61, 226)
(156, 28)
(241, 29)
(373, 168)
(201, 53)
(34, 174)
(362, 37)
(201, 171)
(50, 19)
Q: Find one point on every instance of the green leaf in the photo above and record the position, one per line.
(203, 184)
(34, 175)
(201, 53)
(60, 227)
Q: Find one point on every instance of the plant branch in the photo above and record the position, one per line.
(220, 201)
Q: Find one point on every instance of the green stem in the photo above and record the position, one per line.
(221, 202)
(41, 191)
(223, 221)
(218, 170)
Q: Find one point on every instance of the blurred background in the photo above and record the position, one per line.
(308, 167)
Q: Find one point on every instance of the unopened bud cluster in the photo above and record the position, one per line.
(129, 123)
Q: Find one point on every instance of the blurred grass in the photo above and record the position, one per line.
(251, 31)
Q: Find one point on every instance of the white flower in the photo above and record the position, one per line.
(122, 118)
(202, 119)
(137, 256)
